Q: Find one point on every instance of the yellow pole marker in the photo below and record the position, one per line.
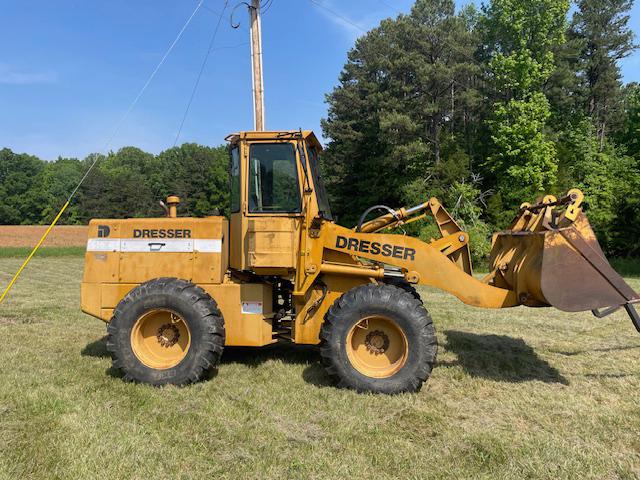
(33, 252)
(97, 157)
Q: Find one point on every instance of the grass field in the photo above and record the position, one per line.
(517, 394)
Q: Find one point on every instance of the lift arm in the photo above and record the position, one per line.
(454, 242)
(548, 257)
(420, 262)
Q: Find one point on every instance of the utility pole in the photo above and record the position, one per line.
(256, 66)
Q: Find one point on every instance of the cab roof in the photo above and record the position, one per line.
(308, 135)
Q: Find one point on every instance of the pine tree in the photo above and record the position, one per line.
(403, 109)
(602, 28)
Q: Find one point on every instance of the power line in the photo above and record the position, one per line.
(350, 22)
(265, 9)
(231, 47)
(399, 12)
(218, 14)
(110, 139)
(202, 67)
(137, 98)
(336, 14)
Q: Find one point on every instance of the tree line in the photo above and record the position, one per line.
(484, 108)
(127, 183)
(489, 108)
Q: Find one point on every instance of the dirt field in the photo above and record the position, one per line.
(28, 235)
(517, 393)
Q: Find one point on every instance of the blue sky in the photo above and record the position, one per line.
(70, 68)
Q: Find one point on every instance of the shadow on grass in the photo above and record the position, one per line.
(289, 354)
(285, 352)
(251, 357)
(97, 349)
(611, 375)
(606, 349)
(498, 357)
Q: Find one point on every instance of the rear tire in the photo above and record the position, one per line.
(166, 331)
(378, 338)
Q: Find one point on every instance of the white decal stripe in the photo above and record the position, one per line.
(139, 245)
(208, 246)
(103, 245)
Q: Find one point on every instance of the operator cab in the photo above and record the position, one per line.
(275, 184)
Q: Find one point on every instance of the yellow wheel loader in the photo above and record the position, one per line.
(175, 291)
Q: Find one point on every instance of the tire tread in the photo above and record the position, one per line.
(208, 314)
(353, 302)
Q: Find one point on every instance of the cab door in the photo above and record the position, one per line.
(271, 210)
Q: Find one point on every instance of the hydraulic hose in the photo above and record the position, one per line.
(371, 209)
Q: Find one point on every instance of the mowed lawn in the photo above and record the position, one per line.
(518, 393)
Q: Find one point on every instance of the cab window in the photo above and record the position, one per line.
(235, 180)
(273, 179)
(321, 192)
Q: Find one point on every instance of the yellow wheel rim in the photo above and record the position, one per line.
(160, 339)
(377, 347)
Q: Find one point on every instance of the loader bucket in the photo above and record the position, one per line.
(550, 257)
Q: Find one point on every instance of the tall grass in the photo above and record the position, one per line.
(517, 393)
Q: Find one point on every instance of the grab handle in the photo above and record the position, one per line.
(156, 246)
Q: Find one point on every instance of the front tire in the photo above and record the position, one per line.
(166, 331)
(378, 338)
(404, 285)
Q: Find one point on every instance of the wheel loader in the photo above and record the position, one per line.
(175, 290)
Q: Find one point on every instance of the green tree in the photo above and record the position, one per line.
(624, 233)
(199, 175)
(625, 229)
(131, 183)
(21, 199)
(602, 29)
(56, 181)
(402, 109)
(92, 200)
(123, 184)
(521, 36)
(592, 169)
(629, 133)
(564, 86)
(128, 189)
